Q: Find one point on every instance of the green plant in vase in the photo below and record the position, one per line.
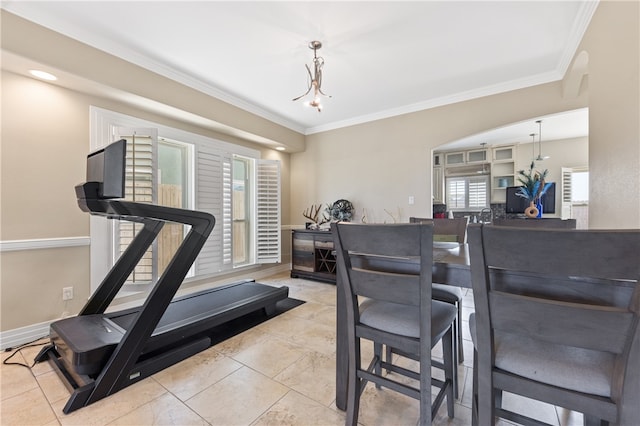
(532, 188)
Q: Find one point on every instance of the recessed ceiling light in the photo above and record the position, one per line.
(280, 148)
(43, 75)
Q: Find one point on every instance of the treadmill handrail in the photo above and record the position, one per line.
(130, 210)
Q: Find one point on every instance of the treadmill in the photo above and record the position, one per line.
(96, 353)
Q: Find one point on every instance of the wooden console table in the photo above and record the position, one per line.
(312, 255)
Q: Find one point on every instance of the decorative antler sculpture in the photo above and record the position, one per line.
(312, 215)
(392, 216)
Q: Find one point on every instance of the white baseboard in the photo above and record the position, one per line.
(19, 336)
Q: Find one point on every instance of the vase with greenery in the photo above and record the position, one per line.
(533, 187)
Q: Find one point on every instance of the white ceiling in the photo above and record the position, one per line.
(381, 58)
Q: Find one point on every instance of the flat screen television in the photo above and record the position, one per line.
(106, 167)
(517, 204)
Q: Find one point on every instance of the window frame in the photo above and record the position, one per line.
(103, 130)
(467, 180)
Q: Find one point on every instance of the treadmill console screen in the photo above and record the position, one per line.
(106, 167)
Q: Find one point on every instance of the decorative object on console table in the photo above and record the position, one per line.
(312, 255)
(340, 211)
(533, 188)
(312, 214)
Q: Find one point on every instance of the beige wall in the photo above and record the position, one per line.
(572, 152)
(612, 43)
(45, 140)
(378, 165)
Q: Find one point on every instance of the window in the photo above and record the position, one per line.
(174, 168)
(241, 211)
(580, 187)
(467, 192)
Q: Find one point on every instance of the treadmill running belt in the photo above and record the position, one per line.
(194, 307)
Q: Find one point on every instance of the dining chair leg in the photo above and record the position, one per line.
(425, 394)
(353, 386)
(456, 332)
(486, 397)
(450, 369)
(474, 392)
(459, 336)
(353, 402)
(377, 352)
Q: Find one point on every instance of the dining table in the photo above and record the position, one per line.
(450, 267)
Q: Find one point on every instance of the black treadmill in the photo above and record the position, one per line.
(97, 353)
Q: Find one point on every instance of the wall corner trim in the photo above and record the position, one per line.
(43, 243)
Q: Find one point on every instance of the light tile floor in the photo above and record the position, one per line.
(281, 372)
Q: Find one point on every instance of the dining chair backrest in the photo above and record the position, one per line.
(392, 307)
(576, 288)
(446, 229)
(550, 223)
(365, 248)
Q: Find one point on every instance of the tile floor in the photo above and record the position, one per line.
(281, 372)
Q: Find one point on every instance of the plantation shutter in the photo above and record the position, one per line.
(566, 205)
(227, 208)
(213, 195)
(467, 192)
(478, 190)
(268, 211)
(140, 187)
(456, 193)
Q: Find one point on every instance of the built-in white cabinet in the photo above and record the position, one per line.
(503, 173)
(438, 179)
(455, 158)
(438, 185)
(504, 153)
(460, 158)
(500, 160)
(477, 156)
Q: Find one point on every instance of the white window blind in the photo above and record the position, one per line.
(140, 188)
(227, 208)
(268, 211)
(467, 192)
(213, 195)
(478, 188)
(566, 181)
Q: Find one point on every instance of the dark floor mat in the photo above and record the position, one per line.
(238, 325)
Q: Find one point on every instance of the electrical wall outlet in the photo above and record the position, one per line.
(67, 293)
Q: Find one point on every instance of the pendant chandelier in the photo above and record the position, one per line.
(540, 157)
(533, 147)
(315, 78)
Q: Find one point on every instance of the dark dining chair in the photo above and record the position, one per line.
(449, 230)
(393, 307)
(556, 319)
